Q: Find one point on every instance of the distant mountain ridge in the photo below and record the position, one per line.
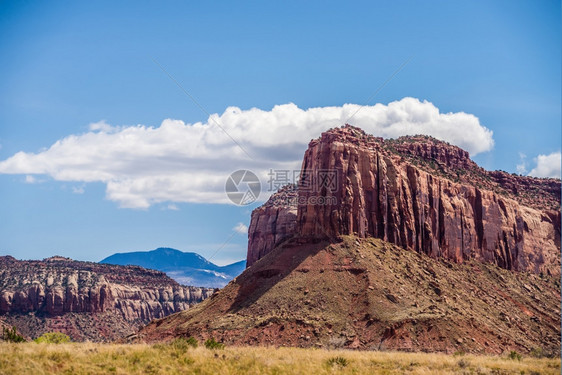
(186, 268)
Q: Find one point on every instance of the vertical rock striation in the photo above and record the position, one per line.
(272, 223)
(421, 194)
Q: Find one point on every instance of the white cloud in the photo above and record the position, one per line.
(29, 179)
(241, 228)
(522, 166)
(180, 162)
(78, 189)
(102, 126)
(172, 207)
(547, 165)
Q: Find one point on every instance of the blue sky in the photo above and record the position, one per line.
(494, 65)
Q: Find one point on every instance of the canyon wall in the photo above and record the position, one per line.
(272, 223)
(424, 195)
(61, 287)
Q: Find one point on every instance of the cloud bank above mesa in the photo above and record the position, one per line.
(547, 165)
(181, 162)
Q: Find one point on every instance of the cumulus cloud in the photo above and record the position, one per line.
(181, 162)
(521, 168)
(240, 228)
(102, 126)
(30, 179)
(547, 165)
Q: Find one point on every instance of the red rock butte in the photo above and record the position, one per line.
(416, 192)
(399, 244)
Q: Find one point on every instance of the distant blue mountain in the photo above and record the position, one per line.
(185, 268)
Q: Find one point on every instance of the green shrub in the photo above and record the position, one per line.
(11, 335)
(212, 344)
(182, 343)
(52, 338)
(514, 355)
(161, 346)
(338, 361)
(192, 341)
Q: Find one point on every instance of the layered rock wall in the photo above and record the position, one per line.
(272, 223)
(423, 195)
(60, 286)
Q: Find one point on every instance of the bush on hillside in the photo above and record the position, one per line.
(52, 338)
(212, 344)
(11, 335)
(182, 343)
(514, 355)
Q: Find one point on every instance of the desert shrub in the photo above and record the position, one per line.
(52, 338)
(514, 355)
(11, 335)
(160, 346)
(338, 361)
(213, 344)
(463, 363)
(179, 344)
(192, 341)
(182, 343)
(541, 353)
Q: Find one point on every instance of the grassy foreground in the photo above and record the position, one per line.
(88, 358)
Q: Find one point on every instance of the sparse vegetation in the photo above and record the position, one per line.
(192, 341)
(89, 358)
(11, 335)
(513, 355)
(308, 308)
(183, 343)
(52, 338)
(213, 344)
(541, 353)
(463, 363)
(337, 361)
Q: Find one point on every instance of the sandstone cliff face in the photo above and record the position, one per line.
(424, 195)
(272, 223)
(58, 286)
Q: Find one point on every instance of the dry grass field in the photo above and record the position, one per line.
(180, 358)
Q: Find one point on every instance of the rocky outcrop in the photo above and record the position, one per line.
(57, 286)
(341, 263)
(444, 160)
(364, 293)
(272, 223)
(424, 195)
